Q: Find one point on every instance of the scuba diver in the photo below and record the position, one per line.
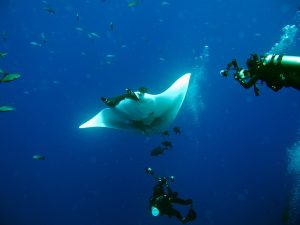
(277, 71)
(112, 102)
(162, 199)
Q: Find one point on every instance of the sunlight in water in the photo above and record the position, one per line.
(287, 40)
(294, 171)
(195, 97)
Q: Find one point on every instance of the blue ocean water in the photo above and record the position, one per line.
(232, 160)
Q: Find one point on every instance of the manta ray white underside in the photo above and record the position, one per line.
(150, 114)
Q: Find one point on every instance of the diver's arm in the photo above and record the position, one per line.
(248, 84)
(169, 189)
(251, 83)
(151, 173)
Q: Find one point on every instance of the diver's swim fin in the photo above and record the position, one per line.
(190, 216)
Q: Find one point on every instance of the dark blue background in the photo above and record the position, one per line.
(232, 161)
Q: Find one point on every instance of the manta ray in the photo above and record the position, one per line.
(149, 114)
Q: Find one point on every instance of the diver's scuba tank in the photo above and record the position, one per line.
(284, 69)
(283, 62)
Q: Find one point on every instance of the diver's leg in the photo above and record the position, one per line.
(174, 212)
(112, 102)
(190, 216)
(183, 201)
(130, 94)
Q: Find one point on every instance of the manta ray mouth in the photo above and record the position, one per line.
(150, 114)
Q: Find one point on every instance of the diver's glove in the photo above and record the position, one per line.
(149, 171)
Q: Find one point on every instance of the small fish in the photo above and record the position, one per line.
(79, 29)
(111, 26)
(110, 56)
(176, 130)
(3, 54)
(33, 43)
(133, 4)
(43, 38)
(93, 35)
(165, 133)
(165, 3)
(10, 77)
(167, 144)
(157, 151)
(39, 157)
(49, 9)
(77, 18)
(6, 108)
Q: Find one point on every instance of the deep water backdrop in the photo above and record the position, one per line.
(232, 161)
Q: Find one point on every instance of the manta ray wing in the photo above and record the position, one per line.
(151, 114)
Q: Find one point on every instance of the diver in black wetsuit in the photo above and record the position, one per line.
(277, 71)
(161, 202)
(112, 102)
